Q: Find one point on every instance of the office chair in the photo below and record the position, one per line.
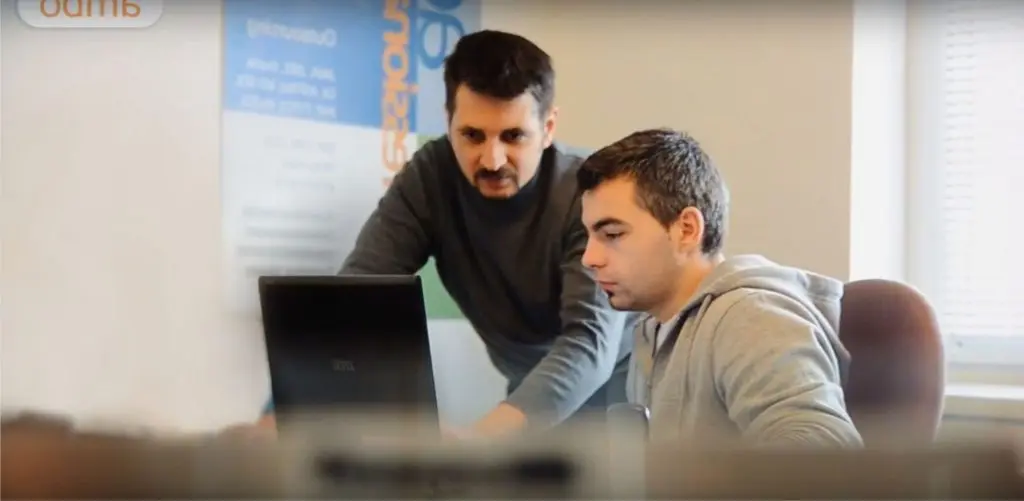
(895, 385)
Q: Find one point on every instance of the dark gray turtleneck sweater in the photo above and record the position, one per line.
(513, 267)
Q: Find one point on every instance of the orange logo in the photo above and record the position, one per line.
(398, 91)
(90, 13)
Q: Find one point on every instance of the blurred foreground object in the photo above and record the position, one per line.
(352, 458)
(45, 457)
(962, 472)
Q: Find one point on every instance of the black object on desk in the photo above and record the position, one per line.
(350, 342)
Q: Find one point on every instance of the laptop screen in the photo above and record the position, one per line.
(348, 343)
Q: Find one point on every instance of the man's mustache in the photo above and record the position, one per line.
(495, 175)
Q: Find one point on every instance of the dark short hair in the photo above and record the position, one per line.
(499, 65)
(671, 172)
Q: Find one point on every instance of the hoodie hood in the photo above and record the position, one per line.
(820, 294)
(751, 271)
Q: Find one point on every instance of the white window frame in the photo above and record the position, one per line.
(923, 196)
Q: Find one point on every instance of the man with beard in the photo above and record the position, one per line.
(495, 203)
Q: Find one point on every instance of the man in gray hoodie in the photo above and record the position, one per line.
(737, 350)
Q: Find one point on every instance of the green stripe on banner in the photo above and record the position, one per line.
(440, 306)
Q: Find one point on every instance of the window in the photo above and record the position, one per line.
(966, 179)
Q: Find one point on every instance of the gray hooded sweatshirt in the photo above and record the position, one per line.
(754, 359)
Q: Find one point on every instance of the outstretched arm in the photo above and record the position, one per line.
(583, 356)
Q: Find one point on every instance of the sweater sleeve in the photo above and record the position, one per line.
(584, 355)
(395, 239)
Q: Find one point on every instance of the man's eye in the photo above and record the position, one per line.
(473, 135)
(512, 136)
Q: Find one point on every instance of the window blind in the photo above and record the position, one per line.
(981, 168)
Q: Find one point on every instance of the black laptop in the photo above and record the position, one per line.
(340, 343)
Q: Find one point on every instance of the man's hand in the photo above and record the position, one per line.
(505, 419)
(265, 427)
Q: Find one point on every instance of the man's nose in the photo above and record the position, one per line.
(593, 256)
(494, 156)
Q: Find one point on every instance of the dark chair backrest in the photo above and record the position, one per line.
(896, 380)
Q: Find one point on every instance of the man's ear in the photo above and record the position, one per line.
(689, 230)
(550, 124)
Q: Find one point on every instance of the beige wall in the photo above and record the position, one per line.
(765, 88)
(111, 213)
